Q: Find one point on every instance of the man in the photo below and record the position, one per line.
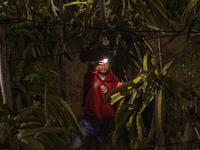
(98, 81)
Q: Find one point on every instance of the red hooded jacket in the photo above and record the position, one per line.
(95, 91)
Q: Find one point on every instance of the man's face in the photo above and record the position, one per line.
(103, 68)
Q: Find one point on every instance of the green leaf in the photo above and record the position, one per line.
(74, 3)
(56, 113)
(134, 106)
(31, 144)
(197, 132)
(145, 67)
(133, 96)
(154, 62)
(21, 43)
(125, 85)
(46, 142)
(29, 118)
(5, 2)
(27, 50)
(47, 12)
(188, 11)
(139, 127)
(28, 132)
(164, 70)
(121, 116)
(136, 64)
(30, 125)
(138, 52)
(116, 97)
(145, 103)
(159, 117)
(177, 52)
(138, 79)
(59, 142)
(159, 7)
(152, 26)
(26, 111)
(74, 120)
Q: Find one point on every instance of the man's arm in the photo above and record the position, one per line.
(89, 77)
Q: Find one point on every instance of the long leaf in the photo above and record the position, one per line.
(138, 79)
(138, 52)
(116, 97)
(31, 144)
(26, 112)
(30, 125)
(139, 127)
(145, 103)
(145, 67)
(74, 120)
(74, 3)
(125, 85)
(27, 132)
(46, 141)
(177, 52)
(133, 96)
(136, 63)
(164, 70)
(152, 26)
(121, 116)
(53, 109)
(59, 142)
(159, 7)
(158, 118)
(187, 13)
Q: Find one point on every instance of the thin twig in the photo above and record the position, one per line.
(159, 51)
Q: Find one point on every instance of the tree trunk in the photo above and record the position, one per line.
(52, 8)
(4, 72)
(189, 134)
(59, 31)
(103, 13)
(5, 84)
(62, 49)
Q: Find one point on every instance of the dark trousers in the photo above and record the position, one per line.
(91, 128)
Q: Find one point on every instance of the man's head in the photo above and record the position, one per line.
(103, 67)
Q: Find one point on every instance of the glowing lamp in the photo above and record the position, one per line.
(105, 60)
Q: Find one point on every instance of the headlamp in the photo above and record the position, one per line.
(105, 60)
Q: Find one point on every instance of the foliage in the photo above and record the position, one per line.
(146, 110)
(29, 125)
(41, 119)
(147, 102)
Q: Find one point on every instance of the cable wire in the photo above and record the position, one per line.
(170, 34)
(100, 28)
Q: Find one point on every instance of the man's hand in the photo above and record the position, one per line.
(120, 83)
(100, 62)
(94, 65)
(103, 61)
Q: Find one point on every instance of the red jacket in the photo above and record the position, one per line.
(95, 91)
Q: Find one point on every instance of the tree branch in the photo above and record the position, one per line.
(159, 51)
(4, 72)
(103, 13)
(53, 8)
(45, 106)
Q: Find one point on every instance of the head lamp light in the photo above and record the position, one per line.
(105, 60)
